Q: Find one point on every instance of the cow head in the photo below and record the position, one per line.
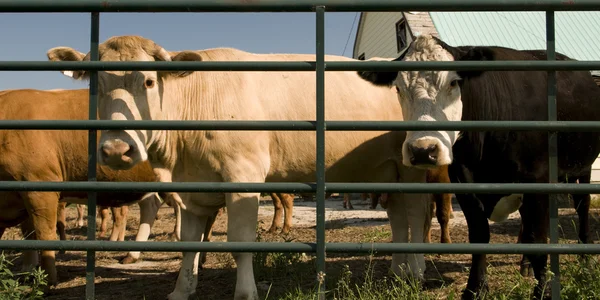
(425, 96)
(127, 95)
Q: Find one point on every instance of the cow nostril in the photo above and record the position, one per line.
(130, 151)
(107, 150)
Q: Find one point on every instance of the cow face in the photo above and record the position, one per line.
(127, 95)
(425, 96)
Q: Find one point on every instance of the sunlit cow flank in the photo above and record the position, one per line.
(497, 156)
(52, 155)
(248, 156)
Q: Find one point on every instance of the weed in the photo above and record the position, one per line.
(25, 286)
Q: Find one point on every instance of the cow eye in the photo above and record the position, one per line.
(149, 83)
(454, 83)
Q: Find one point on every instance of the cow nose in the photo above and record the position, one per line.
(116, 149)
(423, 155)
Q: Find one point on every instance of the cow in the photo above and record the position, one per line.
(441, 204)
(248, 156)
(64, 158)
(514, 156)
(119, 220)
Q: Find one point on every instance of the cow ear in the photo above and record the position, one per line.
(473, 54)
(184, 56)
(379, 78)
(68, 54)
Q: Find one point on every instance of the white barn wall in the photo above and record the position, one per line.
(377, 34)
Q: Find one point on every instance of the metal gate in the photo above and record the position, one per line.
(95, 7)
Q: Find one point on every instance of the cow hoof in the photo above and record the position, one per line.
(273, 229)
(128, 260)
(179, 296)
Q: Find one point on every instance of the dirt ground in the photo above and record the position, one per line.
(154, 277)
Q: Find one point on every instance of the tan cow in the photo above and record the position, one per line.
(248, 156)
(52, 155)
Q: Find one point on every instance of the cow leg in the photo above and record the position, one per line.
(61, 223)
(288, 206)
(103, 220)
(418, 211)
(399, 224)
(374, 200)
(177, 227)
(534, 219)
(119, 223)
(30, 257)
(192, 229)
(42, 208)
(525, 267)
(148, 211)
(427, 223)
(80, 215)
(479, 232)
(581, 203)
(347, 203)
(241, 227)
(278, 213)
(443, 210)
(383, 200)
(208, 234)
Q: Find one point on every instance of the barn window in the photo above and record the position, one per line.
(401, 35)
(361, 57)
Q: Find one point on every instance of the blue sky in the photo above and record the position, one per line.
(29, 36)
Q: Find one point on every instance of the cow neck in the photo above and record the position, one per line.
(186, 98)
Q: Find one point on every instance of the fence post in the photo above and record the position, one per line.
(320, 97)
(552, 154)
(92, 159)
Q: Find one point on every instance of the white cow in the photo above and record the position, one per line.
(248, 156)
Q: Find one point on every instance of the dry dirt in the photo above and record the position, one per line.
(155, 276)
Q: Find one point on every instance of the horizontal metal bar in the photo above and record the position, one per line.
(505, 65)
(297, 187)
(456, 248)
(157, 65)
(559, 126)
(156, 125)
(290, 6)
(260, 66)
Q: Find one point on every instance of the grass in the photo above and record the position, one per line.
(20, 286)
(578, 280)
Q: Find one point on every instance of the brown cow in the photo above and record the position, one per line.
(442, 204)
(51, 155)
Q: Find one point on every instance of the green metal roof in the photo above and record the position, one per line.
(577, 33)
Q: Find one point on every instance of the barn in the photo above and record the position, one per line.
(388, 34)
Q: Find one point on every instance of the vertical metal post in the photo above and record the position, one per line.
(552, 153)
(320, 76)
(92, 159)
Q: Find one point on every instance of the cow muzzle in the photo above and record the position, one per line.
(116, 154)
(424, 152)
